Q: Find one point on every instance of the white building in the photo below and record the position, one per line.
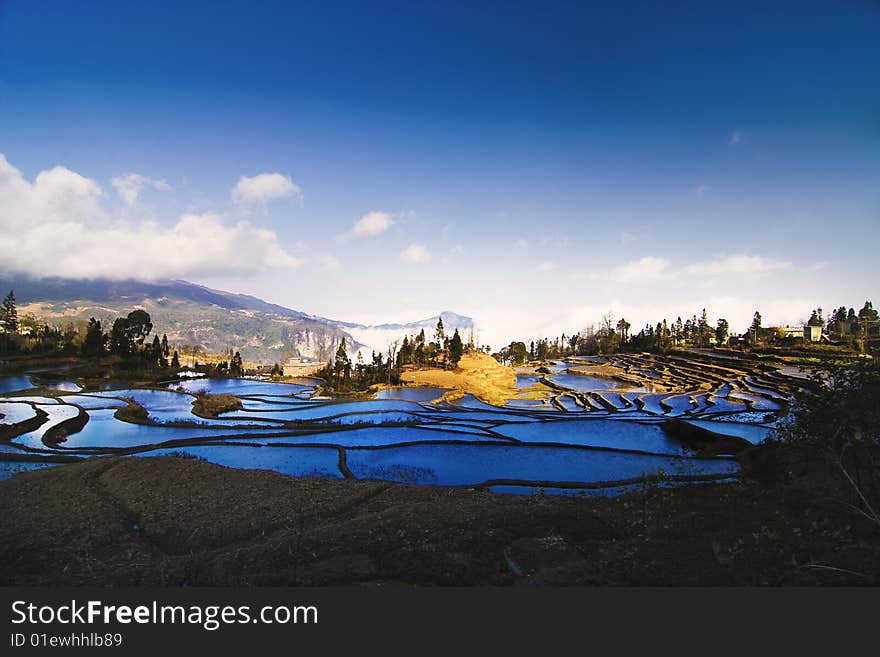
(299, 367)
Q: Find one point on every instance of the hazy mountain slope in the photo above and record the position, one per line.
(378, 336)
(188, 313)
(216, 320)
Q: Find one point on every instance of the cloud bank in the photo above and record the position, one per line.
(62, 229)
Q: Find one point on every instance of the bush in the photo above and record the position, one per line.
(836, 429)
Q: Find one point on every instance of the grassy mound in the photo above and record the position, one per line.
(210, 406)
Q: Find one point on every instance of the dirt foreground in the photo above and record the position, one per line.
(173, 521)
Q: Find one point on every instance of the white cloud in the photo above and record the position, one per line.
(61, 229)
(130, 185)
(645, 269)
(520, 244)
(369, 225)
(547, 265)
(415, 254)
(258, 191)
(627, 237)
(738, 264)
(735, 139)
(372, 223)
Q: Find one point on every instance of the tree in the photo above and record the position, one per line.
(703, 330)
(236, 367)
(518, 353)
(342, 363)
(120, 338)
(456, 349)
(440, 334)
(9, 314)
(755, 328)
(138, 325)
(95, 339)
(407, 351)
(175, 360)
(623, 329)
(722, 331)
(866, 314)
(392, 359)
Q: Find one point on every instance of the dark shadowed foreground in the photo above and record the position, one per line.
(177, 521)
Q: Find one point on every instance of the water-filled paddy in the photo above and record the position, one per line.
(589, 430)
(12, 383)
(468, 465)
(10, 468)
(13, 413)
(411, 394)
(583, 382)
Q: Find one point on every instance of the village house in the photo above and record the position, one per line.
(298, 367)
(812, 333)
(807, 332)
(790, 331)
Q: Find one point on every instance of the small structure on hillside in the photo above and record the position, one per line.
(812, 333)
(299, 367)
(790, 331)
(807, 332)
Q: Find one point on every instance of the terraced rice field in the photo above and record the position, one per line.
(595, 427)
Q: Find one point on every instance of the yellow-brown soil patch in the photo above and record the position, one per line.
(477, 374)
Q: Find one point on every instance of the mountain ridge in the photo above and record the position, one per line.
(195, 314)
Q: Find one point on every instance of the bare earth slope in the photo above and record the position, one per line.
(176, 521)
(477, 374)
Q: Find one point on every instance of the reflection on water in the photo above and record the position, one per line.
(412, 394)
(468, 465)
(588, 430)
(584, 383)
(13, 383)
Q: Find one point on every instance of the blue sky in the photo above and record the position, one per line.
(532, 165)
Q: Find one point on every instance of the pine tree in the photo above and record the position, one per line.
(342, 363)
(440, 334)
(236, 367)
(9, 314)
(722, 331)
(456, 349)
(175, 360)
(95, 339)
(755, 328)
(120, 339)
